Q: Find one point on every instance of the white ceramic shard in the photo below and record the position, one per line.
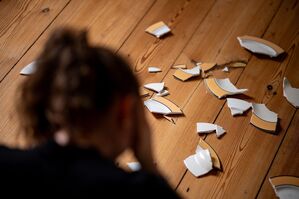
(203, 127)
(292, 94)
(163, 93)
(235, 111)
(157, 87)
(29, 69)
(199, 163)
(226, 84)
(225, 69)
(158, 29)
(134, 166)
(219, 131)
(285, 187)
(264, 113)
(215, 159)
(261, 46)
(237, 106)
(222, 87)
(195, 71)
(156, 107)
(153, 69)
(184, 74)
(162, 105)
(263, 118)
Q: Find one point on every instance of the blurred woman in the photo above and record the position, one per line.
(81, 109)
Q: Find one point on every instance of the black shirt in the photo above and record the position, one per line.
(55, 171)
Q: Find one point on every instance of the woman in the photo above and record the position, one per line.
(81, 109)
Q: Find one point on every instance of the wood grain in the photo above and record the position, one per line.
(286, 161)
(245, 151)
(173, 143)
(202, 31)
(102, 18)
(21, 23)
(144, 50)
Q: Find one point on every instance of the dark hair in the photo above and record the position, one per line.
(74, 84)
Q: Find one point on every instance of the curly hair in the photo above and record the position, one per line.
(74, 85)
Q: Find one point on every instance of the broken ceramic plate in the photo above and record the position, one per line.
(237, 106)
(157, 87)
(222, 87)
(182, 66)
(261, 46)
(153, 69)
(263, 118)
(199, 163)
(292, 94)
(203, 127)
(215, 159)
(158, 29)
(225, 69)
(162, 106)
(206, 66)
(163, 93)
(134, 166)
(185, 74)
(29, 69)
(285, 187)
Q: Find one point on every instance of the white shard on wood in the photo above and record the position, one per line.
(163, 93)
(285, 187)
(29, 69)
(263, 118)
(203, 127)
(153, 69)
(199, 163)
(134, 166)
(260, 46)
(225, 69)
(264, 113)
(157, 87)
(226, 84)
(195, 71)
(161, 105)
(237, 106)
(222, 87)
(185, 74)
(157, 107)
(292, 94)
(158, 29)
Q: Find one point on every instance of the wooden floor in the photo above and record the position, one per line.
(202, 30)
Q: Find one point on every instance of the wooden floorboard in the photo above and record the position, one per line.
(173, 143)
(286, 161)
(145, 50)
(17, 32)
(204, 31)
(104, 19)
(245, 151)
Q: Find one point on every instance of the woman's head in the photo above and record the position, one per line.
(77, 87)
